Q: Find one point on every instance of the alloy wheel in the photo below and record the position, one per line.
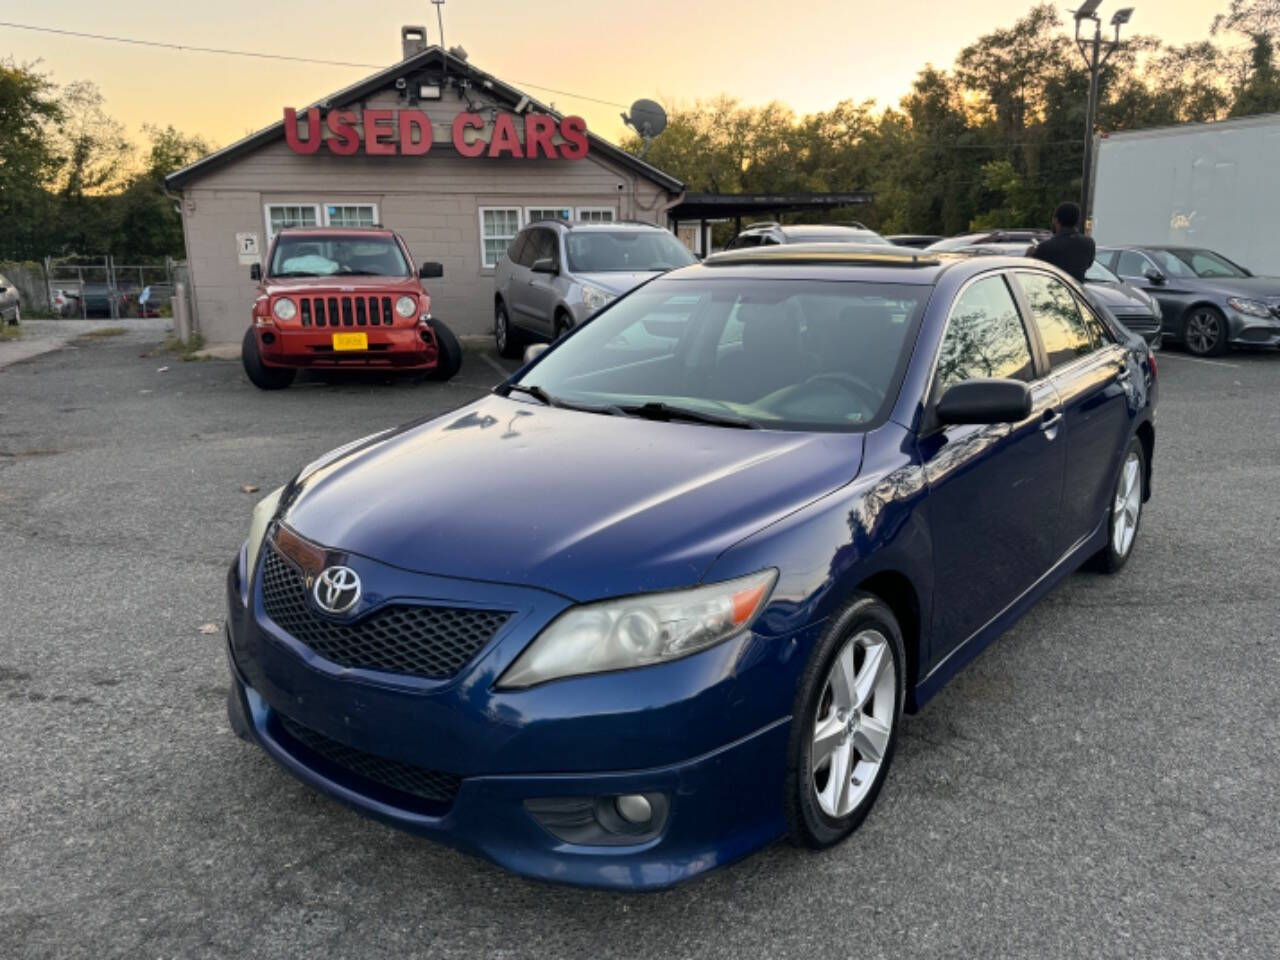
(1127, 506)
(1203, 331)
(854, 723)
(500, 330)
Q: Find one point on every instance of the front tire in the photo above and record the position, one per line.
(1204, 332)
(259, 374)
(505, 336)
(1124, 515)
(17, 316)
(449, 353)
(844, 727)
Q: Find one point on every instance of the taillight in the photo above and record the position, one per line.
(1151, 359)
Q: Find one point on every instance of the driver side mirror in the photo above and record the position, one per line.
(430, 271)
(985, 401)
(255, 272)
(545, 265)
(1154, 276)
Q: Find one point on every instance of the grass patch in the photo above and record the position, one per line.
(105, 332)
(186, 351)
(10, 332)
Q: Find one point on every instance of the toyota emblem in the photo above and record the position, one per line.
(337, 589)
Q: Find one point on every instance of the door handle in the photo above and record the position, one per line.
(1124, 376)
(1050, 422)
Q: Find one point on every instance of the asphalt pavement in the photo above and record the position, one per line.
(1100, 782)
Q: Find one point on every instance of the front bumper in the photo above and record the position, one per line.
(402, 348)
(1247, 331)
(706, 733)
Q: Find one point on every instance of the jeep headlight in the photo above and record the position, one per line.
(595, 298)
(284, 309)
(262, 514)
(1250, 308)
(641, 630)
(407, 306)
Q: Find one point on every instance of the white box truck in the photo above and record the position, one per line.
(1214, 185)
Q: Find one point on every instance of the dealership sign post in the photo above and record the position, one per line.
(408, 132)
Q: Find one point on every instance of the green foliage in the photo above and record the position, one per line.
(996, 141)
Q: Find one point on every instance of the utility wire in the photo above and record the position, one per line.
(188, 48)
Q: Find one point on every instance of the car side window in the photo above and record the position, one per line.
(1097, 329)
(1132, 264)
(1057, 317)
(517, 249)
(985, 337)
(542, 245)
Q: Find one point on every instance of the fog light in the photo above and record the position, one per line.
(634, 808)
(268, 338)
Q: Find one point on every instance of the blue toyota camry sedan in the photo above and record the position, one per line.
(665, 595)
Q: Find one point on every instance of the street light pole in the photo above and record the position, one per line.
(1096, 52)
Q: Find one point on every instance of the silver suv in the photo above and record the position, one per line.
(557, 273)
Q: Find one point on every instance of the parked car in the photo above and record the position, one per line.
(149, 302)
(64, 303)
(769, 233)
(917, 240)
(556, 274)
(98, 298)
(1134, 309)
(1209, 302)
(821, 480)
(1019, 235)
(341, 299)
(10, 303)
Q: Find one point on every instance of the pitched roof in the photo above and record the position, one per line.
(486, 82)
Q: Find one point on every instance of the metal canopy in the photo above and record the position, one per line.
(717, 206)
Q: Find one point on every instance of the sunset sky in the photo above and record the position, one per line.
(809, 55)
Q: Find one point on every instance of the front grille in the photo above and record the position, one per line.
(345, 311)
(432, 785)
(420, 641)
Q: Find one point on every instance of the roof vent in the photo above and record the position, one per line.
(413, 40)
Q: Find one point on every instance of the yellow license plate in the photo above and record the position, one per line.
(351, 341)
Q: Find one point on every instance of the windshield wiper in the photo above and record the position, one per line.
(357, 273)
(538, 393)
(296, 273)
(657, 410)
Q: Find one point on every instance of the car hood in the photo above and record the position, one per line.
(582, 504)
(617, 282)
(1262, 288)
(339, 283)
(1118, 296)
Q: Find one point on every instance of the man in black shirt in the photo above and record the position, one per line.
(1068, 248)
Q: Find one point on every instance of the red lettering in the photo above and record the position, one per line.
(409, 121)
(504, 138)
(345, 141)
(296, 144)
(574, 132)
(538, 131)
(461, 124)
(378, 132)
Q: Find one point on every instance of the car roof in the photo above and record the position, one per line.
(595, 226)
(823, 229)
(875, 263)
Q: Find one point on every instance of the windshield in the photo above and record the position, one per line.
(1097, 273)
(1195, 263)
(781, 354)
(619, 251)
(317, 255)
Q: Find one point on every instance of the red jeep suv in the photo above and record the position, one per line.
(344, 298)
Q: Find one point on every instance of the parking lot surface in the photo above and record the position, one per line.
(1100, 782)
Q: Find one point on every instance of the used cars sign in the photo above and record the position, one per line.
(390, 132)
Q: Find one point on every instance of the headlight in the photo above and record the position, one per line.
(595, 298)
(1251, 308)
(262, 514)
(638, 631)
(284, 309)
(407, 306)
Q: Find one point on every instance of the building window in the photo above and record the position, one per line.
(283, 215)
(596, 214)
(547, 213)
(350, 215)
(498, 227)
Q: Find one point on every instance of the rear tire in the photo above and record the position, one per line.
(506, 337)
(1204, 331)
(17, 316)
(847, 713)
(449, 357)
(259, 374)
(1124, 514)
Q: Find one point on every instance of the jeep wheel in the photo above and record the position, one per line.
(259, 374)
(449, 353)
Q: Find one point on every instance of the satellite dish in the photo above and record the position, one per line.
(648, 119)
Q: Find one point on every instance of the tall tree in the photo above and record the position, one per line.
(28, 104)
